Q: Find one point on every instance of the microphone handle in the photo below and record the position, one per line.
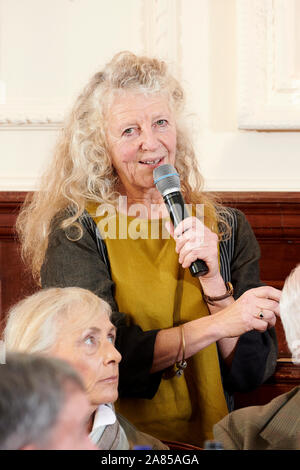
(177, 210)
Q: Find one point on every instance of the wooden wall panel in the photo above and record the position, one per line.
(275, 219)
(16, 281)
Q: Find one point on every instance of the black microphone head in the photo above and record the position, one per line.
(166, 179)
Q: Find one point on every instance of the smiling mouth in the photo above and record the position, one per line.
(152, 162)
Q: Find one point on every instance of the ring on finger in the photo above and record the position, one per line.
(260, 314)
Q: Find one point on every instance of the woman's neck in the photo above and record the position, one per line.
(148, 203)
(91, 419)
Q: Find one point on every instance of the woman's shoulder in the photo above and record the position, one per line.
(231, 214)
(237, 222)
(65, 243)
(78, 228)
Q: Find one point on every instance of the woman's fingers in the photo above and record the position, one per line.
(263, 305)
(260, 325)
(186, 224)
(266, 316)
(195, 241)
(267, 292)
(251, 312)
(267, 304)
(189, 258)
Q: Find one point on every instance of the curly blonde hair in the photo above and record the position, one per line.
(81, 170)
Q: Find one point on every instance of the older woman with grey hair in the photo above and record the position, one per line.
(74, 324)
(185, 342)
(275, 426)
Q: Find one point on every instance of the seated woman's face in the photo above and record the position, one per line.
(90, 349)
(141, 134)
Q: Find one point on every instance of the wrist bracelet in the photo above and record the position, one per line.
(170, 372)
(211, 300)
(181, 365)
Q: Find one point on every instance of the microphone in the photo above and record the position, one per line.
(167, 182)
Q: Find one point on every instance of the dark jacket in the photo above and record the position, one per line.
(85, 263)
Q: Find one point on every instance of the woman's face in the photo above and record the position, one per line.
(141, 135)
(90, 350)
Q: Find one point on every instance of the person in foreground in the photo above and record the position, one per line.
(43, 405)
(275, 426)
(186, 343)
(73, 324)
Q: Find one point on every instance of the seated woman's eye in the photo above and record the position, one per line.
(112, 338)
(90, 340)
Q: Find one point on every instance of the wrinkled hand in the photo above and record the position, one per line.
(195, 241)
(243, 315)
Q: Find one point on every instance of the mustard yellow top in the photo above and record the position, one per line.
(155, 291)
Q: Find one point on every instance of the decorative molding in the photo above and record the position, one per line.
(161, 38)
(273, 215)
(161, 31)
(29, 119)
(19, 183)
(33, 115)
(268, 85)
(286, 372)
(28, 113)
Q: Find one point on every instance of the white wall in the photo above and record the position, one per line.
(49, 48)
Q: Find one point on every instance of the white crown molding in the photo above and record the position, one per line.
(268, 90)
(14, 183)
(29, 115)
(30, 120)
